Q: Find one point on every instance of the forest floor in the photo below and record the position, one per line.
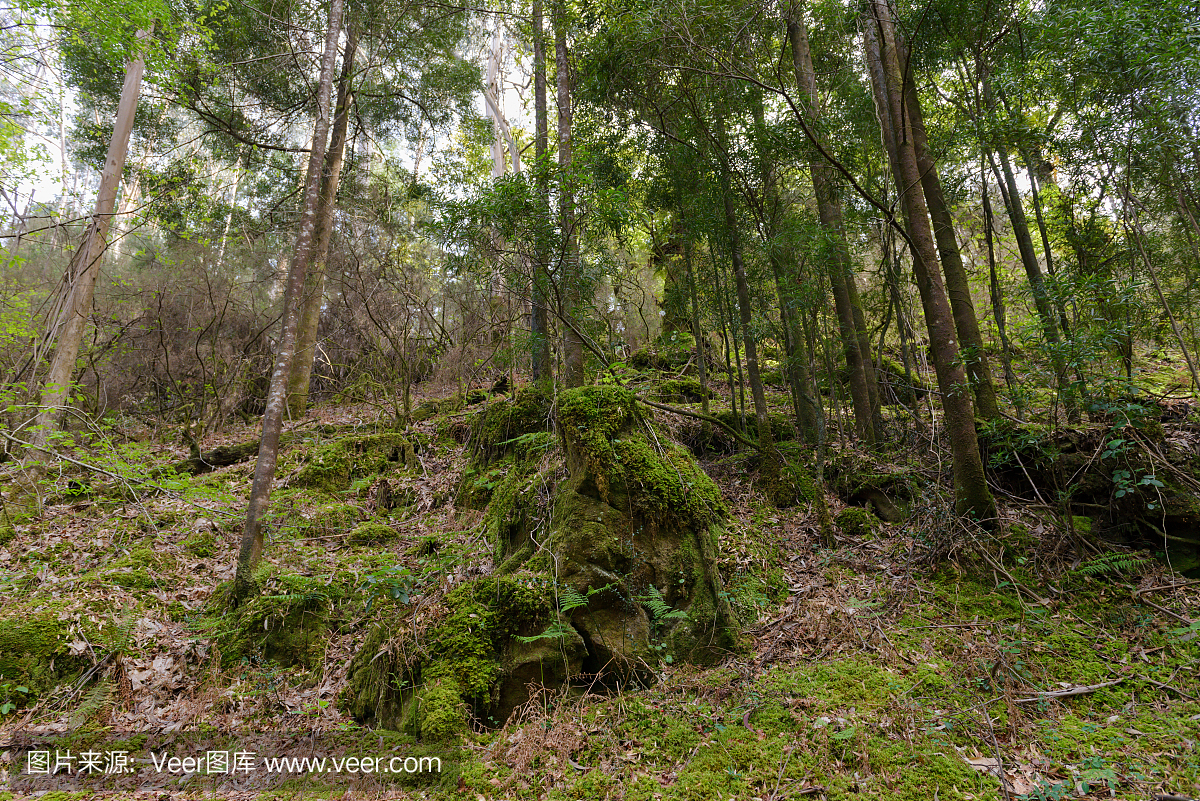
(917, 660)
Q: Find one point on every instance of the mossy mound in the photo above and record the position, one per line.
(635, 533)
(33, 649)
(856, 522)
(287, 628)
(885, 490)
(499, 428)
(508, 436)
(669, 351)
(473, 663)
(704, 439)
(333, 466)
(429, 409)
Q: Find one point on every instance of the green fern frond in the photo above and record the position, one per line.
(555, 631)
(1112, 563)
(658, 608)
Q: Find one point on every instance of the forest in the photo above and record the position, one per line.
(600, 399)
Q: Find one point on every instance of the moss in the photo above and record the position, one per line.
(371, 533)
(288, 628)
(475, 396)
(6, 535)
(495, 427)
(682, 390)
(669, 351)
(202, 544)
(33, 648)
(333, 466)
(856, 522)
(441, 713)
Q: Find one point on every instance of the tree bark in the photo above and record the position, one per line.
(79, 288)
(957, 285)
(314, 290)
(539, 320)
(841, 274)
(573, 352)
(250, 552)
(972, 497)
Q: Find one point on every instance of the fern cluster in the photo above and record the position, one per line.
(1112, 563)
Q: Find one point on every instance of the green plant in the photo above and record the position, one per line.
(394, 582)
(7, 689)
(1045, 791)
(569, 599)
(1112, 563)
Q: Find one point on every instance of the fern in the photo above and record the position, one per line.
(657, 606)
(96, 700)
(1112, 563)
(569, 599)
(555, 631)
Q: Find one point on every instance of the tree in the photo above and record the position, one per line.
(972, 496)
(79, 286)
(272, 426)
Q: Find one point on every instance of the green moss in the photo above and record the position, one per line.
(33, 648)
(441, 713)
(503, 423)
(371, 533)
(682, 390)
(202, 544)
(6, 535)
(287, 628)
(333, 466)
(856, 522)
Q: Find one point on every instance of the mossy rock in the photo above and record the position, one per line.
(682, 390)
(333, 466)
(372, 533)
(669, 351)
(33, 648)
(786, 484)
(472, 660)
(855, 521)
(503, 423)
(704, 439)
(636, 520)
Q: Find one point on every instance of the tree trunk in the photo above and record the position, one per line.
(80, 286)
(573, 354)
(314, 290)
(766, 439)
(539, 320)
(795, 358)
(998, 298)
(957, 285)
(841, 274)
(1033, 272)
(272, 425)
(972, 497)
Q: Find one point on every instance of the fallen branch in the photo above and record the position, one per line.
(1091, 688)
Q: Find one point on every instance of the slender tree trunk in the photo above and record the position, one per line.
(80, 287)
(539, 319)
(998, 297)
(795, 358)
(314, 290)
(573, 355)
(1033, 272)
(272, 426)
(851, 326)
(766, 439)
(972, 497)
(697, 328)
(957, 285)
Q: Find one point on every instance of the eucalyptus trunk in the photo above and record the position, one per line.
(251, 549)
(957, 285)
(571, 289)
(539, 319)
(851, 327)
(79, 287)
(314, 290)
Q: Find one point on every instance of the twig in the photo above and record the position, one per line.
(1091, 688)
(1162, 686)
(1137, 596)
